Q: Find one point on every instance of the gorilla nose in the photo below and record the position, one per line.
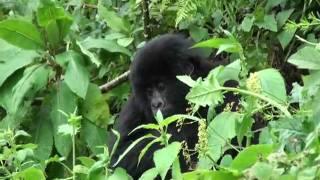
(157, 104)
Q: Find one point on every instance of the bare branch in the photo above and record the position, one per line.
(146, 19)
(115, 82)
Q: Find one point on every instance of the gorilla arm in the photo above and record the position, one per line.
(131, 117)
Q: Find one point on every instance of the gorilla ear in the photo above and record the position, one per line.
(185, 67)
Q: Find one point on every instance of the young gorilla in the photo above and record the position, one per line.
(155, 87)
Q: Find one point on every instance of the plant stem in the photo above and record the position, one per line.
(262, 97)
(73, 152)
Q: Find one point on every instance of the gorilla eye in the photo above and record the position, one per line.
(161, 86)
(149, 92)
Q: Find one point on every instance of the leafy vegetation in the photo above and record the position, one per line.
(55, 54)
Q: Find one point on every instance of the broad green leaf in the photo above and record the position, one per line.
(272, 3)
(263, 170)
(250, 155)
(208, 175)
(107, 45)
(198, 33)
(49, 13)
(306, 58)
(115, 22)
(283, 16)
(13, 117)
(187, 80)
(64, 100)
(55, 21)
(77, 76)
(86, 161)
(30, 174)
(95, 108)
(114, 36)
(119, 174)
(124, 42)
(94, 136)
(43, 135)
(176, 170)
(207, 92)
(165, 157)
(13, 58)
(220, 131)
(228, 45)
(230, 72)
(273, 85)
(247, 23)
(285, 37)
(91, 55)
(149, 174)
(21, 33)
(34, 79)
(269, 22)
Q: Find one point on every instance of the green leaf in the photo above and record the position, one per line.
(306, 58)
(247, 23)
(149, 174)
(13, 117)
(108, 45)
(273, 85)
(34, 79)
(13, 58)
(187, 80)
(176, 170)
(86, 161)
(77, 76)
(198, 33)
(230, 72)
(132, 145)
(91, 55)
(165, 157)
(206, 92)
(262, 170)
(119, 174)
(146, 148)
(124, 42)
(64, 100)
(220, 131)
(95, 108)
(269, 22)
(43, 135)
(21, 33)
(206, 175)
(251, 155)
(283, 16)
(55, 21)
(285, 37)
(30, 174)
(226, 44)
(115, 22)
(94, 136)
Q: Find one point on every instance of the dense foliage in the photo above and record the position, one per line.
(55, 54)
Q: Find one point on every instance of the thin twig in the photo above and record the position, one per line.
(146, 19)
(115, 82)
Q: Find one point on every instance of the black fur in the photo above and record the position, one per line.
(161, 59)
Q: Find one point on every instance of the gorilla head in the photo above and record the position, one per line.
(154, 71)
(156, 87)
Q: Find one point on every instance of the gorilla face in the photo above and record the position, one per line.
(167, 95)
(153, 76)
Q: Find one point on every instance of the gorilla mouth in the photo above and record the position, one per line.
(167, 111)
